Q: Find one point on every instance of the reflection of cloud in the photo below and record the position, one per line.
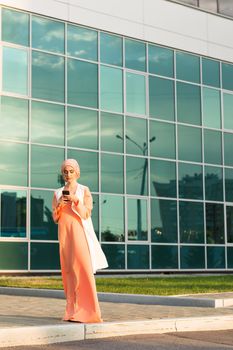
(81, 34)
(50, 61)
(15, 17)
(160, 56)
(80, 53)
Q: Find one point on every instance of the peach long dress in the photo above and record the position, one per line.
(77, 274)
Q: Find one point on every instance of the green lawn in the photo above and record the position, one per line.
(150, 285)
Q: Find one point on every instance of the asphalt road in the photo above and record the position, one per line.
(215, 340)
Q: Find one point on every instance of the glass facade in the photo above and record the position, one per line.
(152, 129)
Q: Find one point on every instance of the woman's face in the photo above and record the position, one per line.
(69, 174)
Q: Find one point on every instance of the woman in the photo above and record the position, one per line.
(80, 251)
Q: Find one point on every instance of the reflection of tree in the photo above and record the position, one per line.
(108, 236)
(229, 213)
(166, 213)
(214, 223)
(193, 257)
(191, 186)
(13, 215)
(213, 187)
(191, 222)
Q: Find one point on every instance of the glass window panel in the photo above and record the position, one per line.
(137, 219)
(164, 257)
(82, 128)
(228, 146)
(111, 132)
(215, 257)
(188, 103)
(190, 181)
(110, 49)
(209, 5)
(163, 178)
(47, 123)
(210, 72)
(13, 164)
(111, 97)
(213, 183)
(112, 173)
(163, 221)
(136, 136)
(161, 60)
(88, 162)
(227, 74)
(229, 184)
(190, 2)
(187, 67)
(192, 257)
(229, 222)
(138, 256)
(161, 98)
(82, 42)
(213, 147)
(214, 223)
(48, 34)
(162, 140)
(82, 83)
(136, 176)
(135, 55)
(42, 224)
(48, 81)
(13, 213)
(189, 143)
(45, 166)
(112, 218)
(15, 27)
(226, 7)
(230, 257)
(228, 111)
(15, 70)
(191, 222)
(13, 256)
(211, 108)
(135, 93)
(45, 256)
(95, 213)
(115, 254)
(14, 111)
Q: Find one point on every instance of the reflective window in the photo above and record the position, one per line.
(229, 184)
(89, 167)
(190, 2)
(213, 183)
(190, 181)
(209, 5)
(13, 164)
(164, 257)
(136, 136)
(215, 257)
(48, 76)
(162, 140)
(229, 257)
(111, 132)
(14, 111)
(115, 254)
(13, 256)
(45, 166)
(47, 123)
(229, 222)
(163, 221)
(192, 257)
(211, 108)
(82, 128)
(189, 143)
(82, 42)
(210, 72)
(138, 256)
(95, 213)
(48, 34)
(214, 223)
(228, 111)
(15, 27)
(137, 219)
(163, 178)
(82, 83)
(45, 256)
(228, 146)
(135, 55)
(227, 75)
(111, 95)
(213, 146)
(136, 176)
(161, 98)
(161, 60)
(191, 222)
(112, 173)
(110, 49)
(15, 70)
(187, 67)
(42, 224)
(188, 103)
(112, 218)
(226, 7)
(135, 93)
(13, 213)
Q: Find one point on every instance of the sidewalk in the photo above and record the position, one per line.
(27, 320)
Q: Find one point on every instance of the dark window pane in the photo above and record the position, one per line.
(82, 42)
(161, 60)
(230, 257)
(136, 136)
(13, 256)
(136, 176)
(188, 103)
(95, 214)
(138, 256)
(163, 178)
(190, 181)
(213, 147)
(214, 223)
(187, 67)
(135, 55)
(213, 183)
(135, 93)
(162, 140)
(192, 257)
(215, 257)
(227, 73)
(112, 218)
(228, 146)
(164, 257)
(110, 49)
(137, 219)
(229, 184)
(229, 221)
(163, 221)
(45, 256)
(211, 108)
(111, 132)
(13, 213)
(191, 222)
(111, 95)
(15, 27)
(189, 143)
(228, 111)
(112, 173)
(210, 72)
(115, 254)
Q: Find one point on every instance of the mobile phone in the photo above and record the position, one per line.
(65, 193)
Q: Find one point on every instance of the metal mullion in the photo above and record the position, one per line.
(99, 142)
(66, 94)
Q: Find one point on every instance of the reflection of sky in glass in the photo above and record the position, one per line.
(136, 136)
(15, 27)
(112, 173)
(82, 42)
(188, 103)
(111, 132)
(160, 60)
(189, 143)
(110, 49)
(187, 67)
(210, 72)
(228, 146)
(228, 111)
(164, 143)
(211, 108)
(112, 217)
(213, 146)
(136, 175)
(137, 219)
(135, 94)
(111, 94)
(135, 54)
